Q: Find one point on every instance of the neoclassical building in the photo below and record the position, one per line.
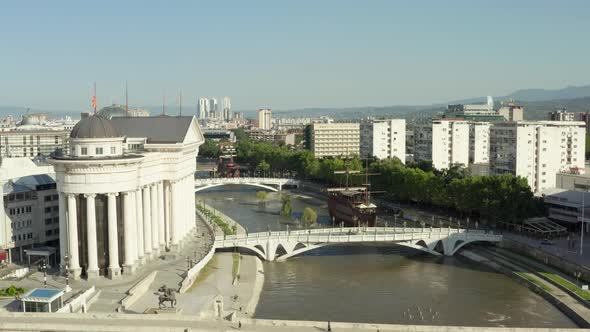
(126, 191)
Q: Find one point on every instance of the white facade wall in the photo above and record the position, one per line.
(264, 119)
(450, 143)
(383, 139)
(537, 151)
(335, 139)
(479, 142)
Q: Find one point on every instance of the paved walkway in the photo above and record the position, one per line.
(526, 271)
(170, 267)
(218, 282)
(559, 247)
(160, 323)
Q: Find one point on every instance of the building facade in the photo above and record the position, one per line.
(264, 119)
(334, 139)
(227, 116)
(383, 139)
(537, 150)
(33, 142)
(127, 191)
(443, 141)
(26, 218)
(511, 111)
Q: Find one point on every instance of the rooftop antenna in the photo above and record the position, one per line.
(180, 113)
(94, 99)
(164, 103)
(126, 100)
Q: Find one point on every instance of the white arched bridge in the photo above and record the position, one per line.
(273, 184)
(435, 241)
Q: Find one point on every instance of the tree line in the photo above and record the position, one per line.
(504, 198)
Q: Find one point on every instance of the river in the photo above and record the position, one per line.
(379, 283)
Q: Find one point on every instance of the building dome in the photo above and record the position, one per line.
(94, 126)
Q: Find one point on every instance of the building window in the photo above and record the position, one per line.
(48, 209)
(56, 139)
(113, 150)
(47, 198)
(84, 151)
(98, 151)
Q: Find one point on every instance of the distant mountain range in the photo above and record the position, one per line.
(537, 103)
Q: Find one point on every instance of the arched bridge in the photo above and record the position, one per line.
(273, 184)
(435, 241)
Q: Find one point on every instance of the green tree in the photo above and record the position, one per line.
(263, 167)
(209, 149)
(240, 134)
(262, 197)
(309, 216)
(287, 207)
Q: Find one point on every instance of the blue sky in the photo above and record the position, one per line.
(287, 54)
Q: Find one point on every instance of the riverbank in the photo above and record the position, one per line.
(215, 295)
(575, 311)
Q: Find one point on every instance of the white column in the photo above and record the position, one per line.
(147, 223)
(167, 214)
(129, 233)
(192, 202)
(133, 210)
(184, 204)
(139, 224)
(114, 269)
(186, 208)
(91, 236)
(175, 215)
(155, 219)
(161, 218)
(73, 237)
(63, 234)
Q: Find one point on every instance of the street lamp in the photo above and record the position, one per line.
(67, 263)
(44, 268)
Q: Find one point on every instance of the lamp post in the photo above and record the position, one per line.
(67, 261)
(44, 267)
(583, 221)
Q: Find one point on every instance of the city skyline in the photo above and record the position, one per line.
(285, 55)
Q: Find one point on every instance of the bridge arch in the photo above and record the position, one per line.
(197, 189)
(460, 244)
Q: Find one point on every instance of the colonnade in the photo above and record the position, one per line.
(156, 217)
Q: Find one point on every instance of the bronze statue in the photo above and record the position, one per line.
(166, 294)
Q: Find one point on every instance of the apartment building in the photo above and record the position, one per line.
(334, 139)
(383, 139)
(443, 141)
(33, 143)
(537, 150)
(512, 111)
(264, 118)
(30, 213)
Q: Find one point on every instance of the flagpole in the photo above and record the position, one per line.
(94, 99)
(126, 100)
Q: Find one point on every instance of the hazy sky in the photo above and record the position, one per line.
(287, 54)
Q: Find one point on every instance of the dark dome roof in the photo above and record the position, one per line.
(95, 126)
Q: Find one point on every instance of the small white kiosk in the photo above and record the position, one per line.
(43, 300)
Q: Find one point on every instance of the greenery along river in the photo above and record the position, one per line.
(382, 284)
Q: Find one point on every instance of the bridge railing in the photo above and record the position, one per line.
(352, 234)
(245, 180)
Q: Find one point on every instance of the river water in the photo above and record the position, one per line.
(379, 283)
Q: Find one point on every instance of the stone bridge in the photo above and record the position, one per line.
(273, 184)
(436, 241)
